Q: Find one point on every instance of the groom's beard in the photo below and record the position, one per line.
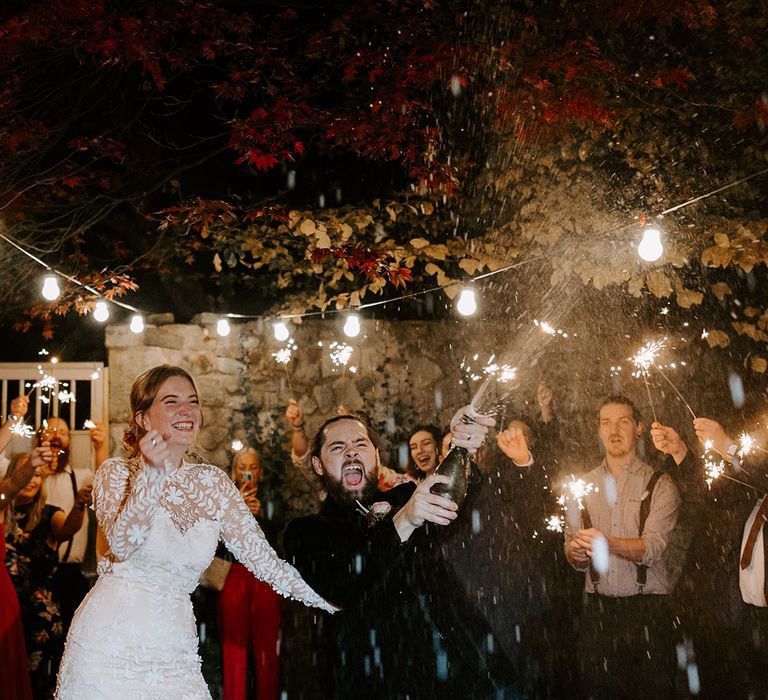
(343, 496)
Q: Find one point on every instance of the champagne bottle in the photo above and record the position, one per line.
(456, 466)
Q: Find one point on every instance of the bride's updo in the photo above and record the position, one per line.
(143, 394)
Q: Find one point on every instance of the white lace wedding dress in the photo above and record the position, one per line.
(134, 636)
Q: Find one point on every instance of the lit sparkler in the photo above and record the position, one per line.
(746, 444)
(555, 523)
(19, 427)
(237, 445)
(89, 424)
(643, 360)
(283, 357)
(576, 491)
(340, 353)
(713, 468)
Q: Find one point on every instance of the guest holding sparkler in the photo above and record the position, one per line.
(69, 488)
(33, 529)
(722, 590)
(627, 643)
(14, 670)
(19, 407)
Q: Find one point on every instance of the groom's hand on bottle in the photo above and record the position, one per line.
(469, 428)
(424, 506)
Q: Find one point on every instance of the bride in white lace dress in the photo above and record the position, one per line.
(134, 636)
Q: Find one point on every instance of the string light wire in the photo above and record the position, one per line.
(310, 314)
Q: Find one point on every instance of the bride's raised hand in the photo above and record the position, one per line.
(154, 449)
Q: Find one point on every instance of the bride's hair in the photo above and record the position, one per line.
(143, 394)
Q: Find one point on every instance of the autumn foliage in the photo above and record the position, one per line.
(366, 145)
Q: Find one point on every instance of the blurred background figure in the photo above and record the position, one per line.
(33, 530)
(424, 444)
(69, 488)
(248, 609)
(14, 671)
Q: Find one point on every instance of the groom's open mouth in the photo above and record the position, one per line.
(352, 474)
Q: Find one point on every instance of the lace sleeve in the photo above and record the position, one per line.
(125, 497)
(244, 538)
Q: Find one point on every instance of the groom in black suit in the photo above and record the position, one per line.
(405, 628)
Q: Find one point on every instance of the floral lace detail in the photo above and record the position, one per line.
(134, 636)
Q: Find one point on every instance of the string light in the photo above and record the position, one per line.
(101, 311)
(466, 299)
(650, 248)
(281, 331)
(466, 304)
(51, 289)
(223, 328)
(352, 326)
(137, 323)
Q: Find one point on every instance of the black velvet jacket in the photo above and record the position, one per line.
(406, 627)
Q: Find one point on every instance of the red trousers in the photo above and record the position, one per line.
(248, 611)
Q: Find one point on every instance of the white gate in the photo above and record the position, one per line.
(79, 393)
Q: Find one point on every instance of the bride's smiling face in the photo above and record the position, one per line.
(175, 413)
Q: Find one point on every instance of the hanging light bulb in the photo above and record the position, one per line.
(650, 248)
(352, 326)
(101, 311)
(281, 331)
(466, 304)
(222, 327)
(51, 289)
(137, 323)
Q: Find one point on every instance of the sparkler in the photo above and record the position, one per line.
(746, 444)
(89, 424)
(283, 357)
(643, 360)
(577, 490)
(714, 468)
(555, 523)
(340, 353)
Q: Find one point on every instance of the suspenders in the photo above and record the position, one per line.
(65, 556)
(645, 509)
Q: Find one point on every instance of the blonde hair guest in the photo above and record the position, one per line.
(134, 636)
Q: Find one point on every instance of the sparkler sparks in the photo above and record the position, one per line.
(504, 373)
(555, 523)
(646, 357)
(89, 424)
(19, 427)
(340, 353)
(283, 356)
(576, 490)
(746, 444)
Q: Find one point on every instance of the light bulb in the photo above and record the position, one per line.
(466, 304)
(101, 311)
(222, 327)
(650, 248)
(137, 323)
(51, 289)
(352, 326)
(281, 331)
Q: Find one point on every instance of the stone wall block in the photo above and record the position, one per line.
(122, 337)
(175, 337)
